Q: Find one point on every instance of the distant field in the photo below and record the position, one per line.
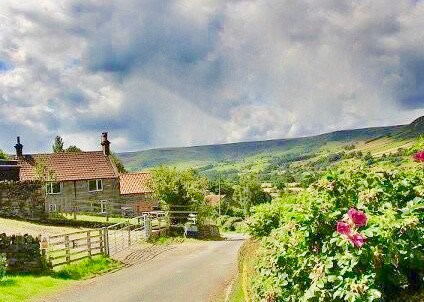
(221, 157)
(385, 145)
(259, 156)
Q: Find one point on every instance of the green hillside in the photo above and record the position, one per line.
(262, 155)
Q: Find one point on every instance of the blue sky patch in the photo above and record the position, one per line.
(5, 65)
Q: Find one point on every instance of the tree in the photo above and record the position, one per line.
(58, 145)
(43, 174)
(118, 163)
(249, 193)
(174, 187)
(73, 148)
(223, 184)
(3, 155)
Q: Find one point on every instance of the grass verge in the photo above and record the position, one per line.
(237, 294)
(241, 291)
(26, 287)
(87, 268)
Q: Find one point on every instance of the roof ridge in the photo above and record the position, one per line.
(64, 152)
(134, 173)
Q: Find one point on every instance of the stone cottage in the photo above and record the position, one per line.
(135, 191)
(87, 182)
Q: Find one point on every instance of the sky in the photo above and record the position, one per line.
(156, 73)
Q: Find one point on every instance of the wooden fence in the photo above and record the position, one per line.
(70, 247)
(67, 248)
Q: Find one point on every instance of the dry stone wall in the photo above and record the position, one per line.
(22, 199)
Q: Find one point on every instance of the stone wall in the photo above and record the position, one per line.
(140, 202)
(22, 199)
(23, 254)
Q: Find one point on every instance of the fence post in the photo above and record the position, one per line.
(129, 234)
(44, 251)
(89, 243)
(147, 227)
(106, 241)
(102, 239)
(67, 252)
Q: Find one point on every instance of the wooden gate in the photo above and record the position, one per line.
(67, 248)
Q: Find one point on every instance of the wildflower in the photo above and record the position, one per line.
(358, 217)
(357, 240)
(343, 228)
(419, 156)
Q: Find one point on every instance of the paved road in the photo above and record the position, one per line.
(189, 272)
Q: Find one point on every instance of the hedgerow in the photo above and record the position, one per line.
(357, 234)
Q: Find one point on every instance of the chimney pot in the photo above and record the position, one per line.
(105, 144)
(19, 147)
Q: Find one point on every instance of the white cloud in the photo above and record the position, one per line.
(158, 73)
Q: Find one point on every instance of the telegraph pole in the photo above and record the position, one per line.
(219, 193)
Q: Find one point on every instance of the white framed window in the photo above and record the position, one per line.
(52, 208)
(95, 185)
(53, 188)
(103, 206)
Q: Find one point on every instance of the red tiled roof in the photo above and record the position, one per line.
(135, 183)
(69, 166)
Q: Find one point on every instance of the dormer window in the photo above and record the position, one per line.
(95, 185)
(53, 188)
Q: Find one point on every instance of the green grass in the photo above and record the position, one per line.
(23, 288)
(87, 268)
(237, 294)
(96, 218)
(27, 287)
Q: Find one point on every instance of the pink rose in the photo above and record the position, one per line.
(419, 156)
(343, 228)
(357, 240)
(358, 217)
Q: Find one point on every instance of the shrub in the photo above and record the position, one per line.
(235, 212)
(240, 227)
(269, 216)
(229, 223)
(304, 258)
(221, 220)
(3, 266)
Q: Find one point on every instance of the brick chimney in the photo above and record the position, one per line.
(105, 144)
(19, 147)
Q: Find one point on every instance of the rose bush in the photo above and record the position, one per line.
(419, 156)
(380, 253)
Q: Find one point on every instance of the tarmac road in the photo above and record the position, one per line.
(189, 272)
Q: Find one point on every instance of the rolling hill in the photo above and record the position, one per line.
(258, 154)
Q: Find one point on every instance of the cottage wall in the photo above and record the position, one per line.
(140, 202)
(75, 196)
(21, 199)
